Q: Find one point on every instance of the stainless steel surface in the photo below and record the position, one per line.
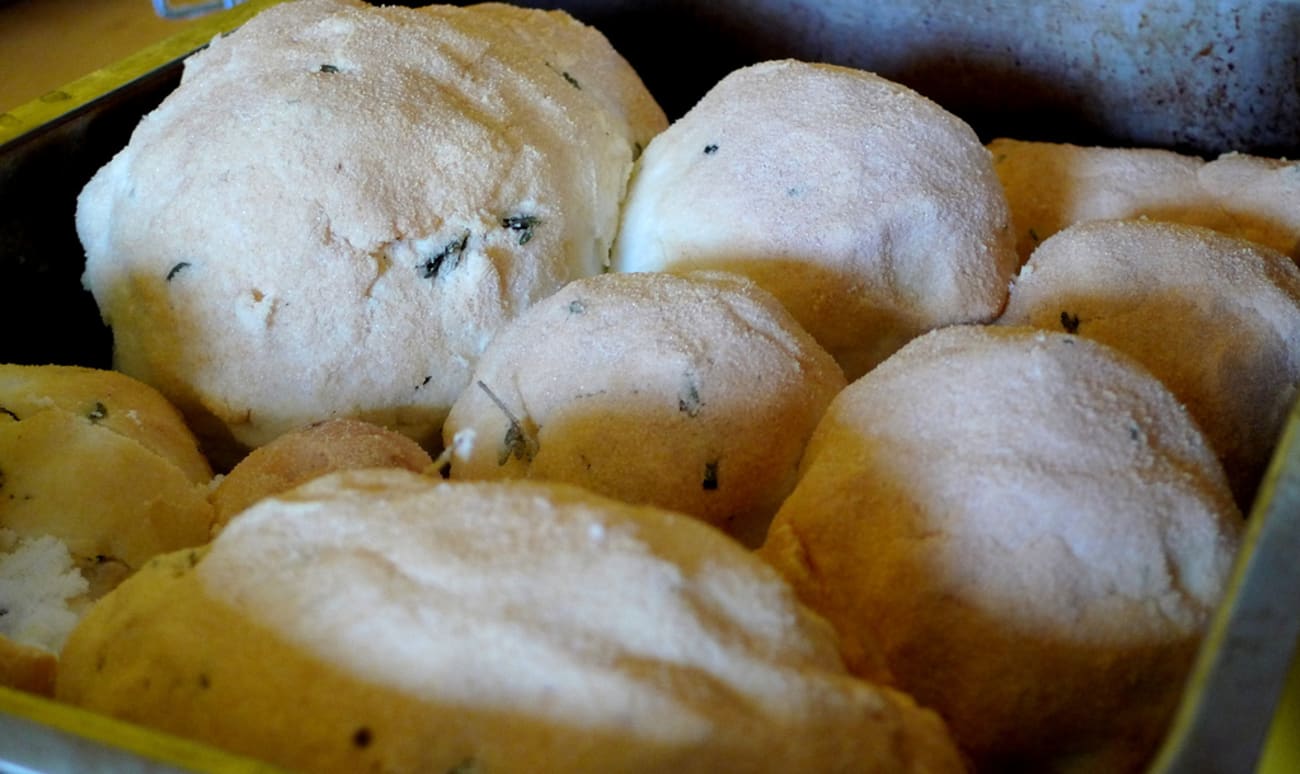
(1203, 76)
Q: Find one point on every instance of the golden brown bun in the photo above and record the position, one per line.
(1030, 528)
(102, 463)
(380, 620)
(301, 455)
(27, 668)
(110, 400)
(694, 393)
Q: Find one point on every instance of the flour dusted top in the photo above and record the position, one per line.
(340, 203)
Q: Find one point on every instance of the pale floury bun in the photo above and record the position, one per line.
(871, 212)
(341, 202)
(1030, 528)
(379, 620)
(98, 474)
(695, 393)
(1216, 318)
(1051, 186)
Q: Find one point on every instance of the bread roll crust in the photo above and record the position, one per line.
(712, 368)
(301, 455)
(1215, 318)
(341, 203)
(869, 211)
(381, 619)
(1029, 527)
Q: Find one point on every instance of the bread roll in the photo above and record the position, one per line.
(111, 401)
(98, 473)
(695, 393)
(379, 620)
(1030, 528)
(869, 211)
(341, 203)
(1216, 318)
(300, 455)
(1050, 186)
(100, 462)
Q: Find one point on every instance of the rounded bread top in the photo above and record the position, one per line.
(112, 401)
(694, 392)
(310, 452)
(341, 203)
(1214, 317)
(381, 619)
(871, 212)
(1015, 518)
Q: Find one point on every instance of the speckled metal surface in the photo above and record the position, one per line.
(1197, 75)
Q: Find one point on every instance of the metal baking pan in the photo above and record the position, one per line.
(1188, 75)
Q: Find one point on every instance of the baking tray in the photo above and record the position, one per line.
(1191, 76)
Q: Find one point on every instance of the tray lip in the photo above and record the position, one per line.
(53, 733)
(1238, 683)
(59, 105)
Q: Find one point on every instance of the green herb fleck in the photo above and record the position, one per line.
(517, 443)
(4, 611)
(328, 68)
(710, 149)
(688, 396)
(427, 379)
(577, 307)
(362, 737)
(572, 81)
(100, 411)
(444, 260)
(1034, 236)
(9, 414)
(1070, 322)
(177, 269)
(524, 224)
(710, 476)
